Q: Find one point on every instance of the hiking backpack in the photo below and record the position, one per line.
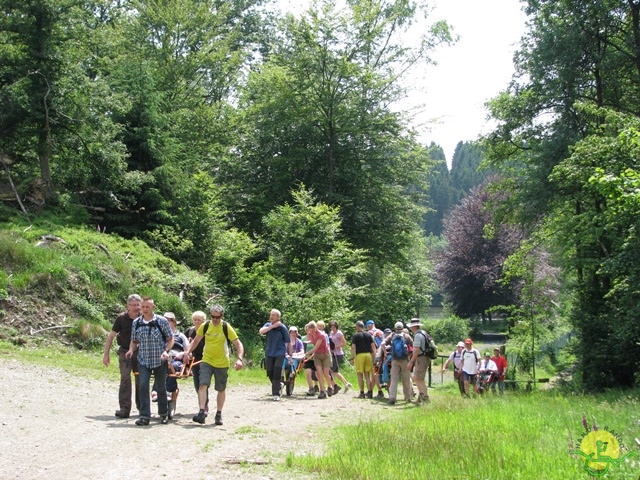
(225, 330)
(399, 347)
(430, 349)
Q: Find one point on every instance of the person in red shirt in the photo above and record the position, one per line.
(502, 365)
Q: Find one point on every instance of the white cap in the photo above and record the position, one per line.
(399, 326)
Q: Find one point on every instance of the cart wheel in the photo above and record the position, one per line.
(291, 381)
(172, 404)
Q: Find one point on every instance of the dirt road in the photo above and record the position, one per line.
(57, 426)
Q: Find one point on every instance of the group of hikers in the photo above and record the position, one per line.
(150, 344)
(469, 368)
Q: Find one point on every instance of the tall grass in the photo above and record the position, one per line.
(519, 436)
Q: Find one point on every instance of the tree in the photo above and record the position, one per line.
(317, 113)
(469, 269)
(440, 192)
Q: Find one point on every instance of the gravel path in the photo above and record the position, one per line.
(58, 426)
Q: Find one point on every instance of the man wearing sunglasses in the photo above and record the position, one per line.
(215, 360)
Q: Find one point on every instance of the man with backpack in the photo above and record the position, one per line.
(215, 360)
(151, 337)
(424, 350)
(470, 366)
(399, 343)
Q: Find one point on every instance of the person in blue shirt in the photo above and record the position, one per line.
(278, 345)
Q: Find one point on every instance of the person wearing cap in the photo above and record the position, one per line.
(456, 358)
(215, 360)
(399, 369)
(378, 337)
(180, 344)
(501, 363)
(121, 332)
(488, 373)
(297, 349)
(363, 349)
(151, 338)
(419, 360)
(278, 347)
(470, 365)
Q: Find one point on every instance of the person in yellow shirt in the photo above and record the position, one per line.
(215, 360)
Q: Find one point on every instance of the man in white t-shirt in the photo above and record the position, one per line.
(470, 365)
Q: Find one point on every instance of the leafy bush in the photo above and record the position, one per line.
(450, 329)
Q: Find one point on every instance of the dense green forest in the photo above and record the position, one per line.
(262, 151)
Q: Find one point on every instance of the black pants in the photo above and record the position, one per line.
(274, 372)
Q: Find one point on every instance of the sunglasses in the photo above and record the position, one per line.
(216, 316)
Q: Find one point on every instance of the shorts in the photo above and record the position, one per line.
(364, 363)
(220, 376)
(467, 377)
(420, 367)
(322, 360)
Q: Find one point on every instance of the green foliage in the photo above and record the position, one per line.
(450, 329)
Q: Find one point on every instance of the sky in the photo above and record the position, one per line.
(446, 101)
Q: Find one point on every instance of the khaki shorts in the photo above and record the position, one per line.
(322, 360)
(364, 363)
(420, 367)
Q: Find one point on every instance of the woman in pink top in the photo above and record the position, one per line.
(322, 357)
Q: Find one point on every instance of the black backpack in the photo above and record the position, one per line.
(431, 349)
(152, 324)
(225, 330)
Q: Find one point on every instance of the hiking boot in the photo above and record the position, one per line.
(164, 420)
(380, 394)
(329, 391)
(422, 398)
(369, 394)
(311, 393)
(199, 418)
(142, 421)
(347, 387)
(218, 420)
(336, 389)
(323, 394)
(122, 414)
(391, 402)
(362, 395)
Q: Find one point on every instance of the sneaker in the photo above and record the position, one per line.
(218, 420)
(369, 394)
(336, 389)
(164, 420)
(142, 421)
(323, 394)
(281, 388)
(347, 387)
(316, 389)
(199, 418)
(122, 414)
(380, 394)
(311, 393)
(362, 395)
(422, 398)
(329, 391)
(276, 398)
(154, 396)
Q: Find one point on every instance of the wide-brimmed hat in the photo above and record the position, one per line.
(414, 322)
(461, 344)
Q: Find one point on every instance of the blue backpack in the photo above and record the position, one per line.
(399, 347)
